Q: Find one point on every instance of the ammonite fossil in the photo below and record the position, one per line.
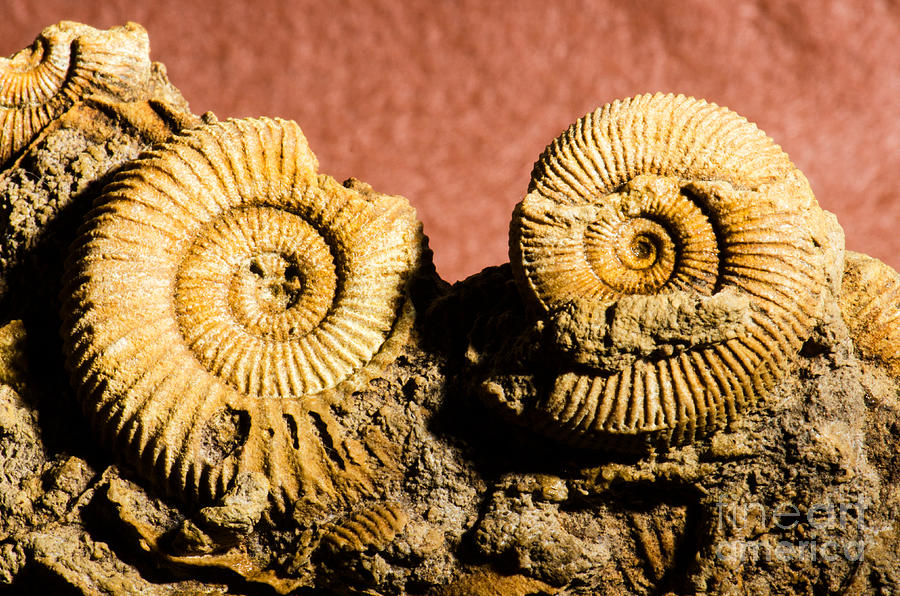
(670, 247)
(68, 61)
(870, 305)
(222, 297)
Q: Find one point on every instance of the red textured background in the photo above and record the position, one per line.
(449, 103)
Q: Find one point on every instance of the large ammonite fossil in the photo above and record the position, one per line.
(667, 244)
(223, 297)
(870, 304)
(67, 62)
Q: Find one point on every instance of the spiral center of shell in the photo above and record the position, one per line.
(649, 237)
(634, 256)
(260, 277)
(271, 280)
(33, 75)
(641, 244)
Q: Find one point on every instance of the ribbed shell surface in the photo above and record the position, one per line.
(67, 62)
(870, 305)
(659, 194)
(221, 295)
(374, 527)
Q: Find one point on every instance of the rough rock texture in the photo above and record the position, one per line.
(46, 191)
(799, 495)
(46, 538)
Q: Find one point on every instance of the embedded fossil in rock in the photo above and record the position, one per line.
(373, 527)
(222, 296)
(224, 302)
(870, 304)
(39, 218)
(67, 62)
(675, 255)
(111, 103)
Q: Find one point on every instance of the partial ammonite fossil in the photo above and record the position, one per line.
(223, 297)
(48, 187)
(870, 305)
(675, 254)
(67, 62)
(374, 527)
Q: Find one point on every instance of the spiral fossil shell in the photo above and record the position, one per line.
(870, 305)
(67, 62)
(222, 297)
(656, 205)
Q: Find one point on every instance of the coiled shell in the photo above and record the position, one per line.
(67, 62)
(222, 296)
(667, 243)
(870, 305)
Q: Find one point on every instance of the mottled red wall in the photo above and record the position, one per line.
(450, 103)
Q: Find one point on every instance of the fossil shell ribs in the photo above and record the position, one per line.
(68, 61)
(870, 305)
(373, 527)
(646, 204)
(220, 290)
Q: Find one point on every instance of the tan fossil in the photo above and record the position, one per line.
(67, 62)
(870, 305)
(222, 297)
(673, 251)
(487, 582)
(373, 527)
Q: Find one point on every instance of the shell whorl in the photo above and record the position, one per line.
(650, 200)
(870, 305)
(67, 62)
(222, 294)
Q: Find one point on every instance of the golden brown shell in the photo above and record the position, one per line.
(373, 527)
(870, 305)
(222, 296)
(667, 243)
(67, 62)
